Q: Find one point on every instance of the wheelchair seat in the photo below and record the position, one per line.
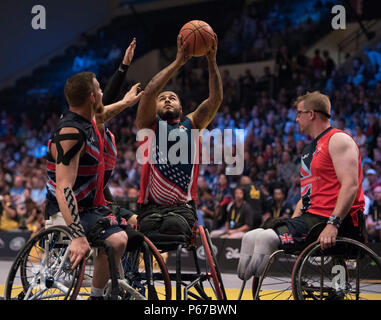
(167, 242)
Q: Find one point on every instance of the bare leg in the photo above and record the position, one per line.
(101, 268)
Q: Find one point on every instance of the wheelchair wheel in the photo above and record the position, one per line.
(42, 269)
(213, 273)
(274, 284)
(146, 272)
(347, 271)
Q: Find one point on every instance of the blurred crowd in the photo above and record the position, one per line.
(262, 26)
(269, 185)
(261, 106)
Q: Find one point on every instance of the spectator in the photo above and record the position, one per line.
(317, 62)
(278, 206)
(207, 208)
(239, 218)
(293, 194)
(373, 219)
(370, 182)
(17, 190)
(8, 213)
(359, 136)
(329, 64)
(255, 198)
(38, 191)
(285, 169)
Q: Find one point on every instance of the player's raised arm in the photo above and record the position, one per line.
(146, 114)
(206, 111)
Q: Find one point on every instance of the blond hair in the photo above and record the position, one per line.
(315, 101)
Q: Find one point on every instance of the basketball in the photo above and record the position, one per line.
(198, 37)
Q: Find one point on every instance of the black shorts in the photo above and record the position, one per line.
(176, 220)
(293, 232)
(90, 217)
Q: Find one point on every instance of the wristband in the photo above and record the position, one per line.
(123, 67)
(334, 220)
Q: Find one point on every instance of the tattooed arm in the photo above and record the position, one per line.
(146, 114)
(206, 111)
(66, 174)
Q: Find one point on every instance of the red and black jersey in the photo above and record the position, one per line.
(88, 186)
(319, 184)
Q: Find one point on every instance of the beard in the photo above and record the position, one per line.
(169, 115)
(99, 108)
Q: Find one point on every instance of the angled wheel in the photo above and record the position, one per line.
(274, 284)
(146, 272)
(212, 270)
(347, 271)
(42, 269)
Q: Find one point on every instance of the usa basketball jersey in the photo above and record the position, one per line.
(162, 181)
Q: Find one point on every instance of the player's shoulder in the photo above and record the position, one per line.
(68, 130)
(341, 142)
(341, 137)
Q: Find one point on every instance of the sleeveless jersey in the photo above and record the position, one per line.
(163, 182)
(88, 186)
(319, 184)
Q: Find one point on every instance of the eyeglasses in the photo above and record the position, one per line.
(299, 112)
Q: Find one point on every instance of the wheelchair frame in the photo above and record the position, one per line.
(44, 261)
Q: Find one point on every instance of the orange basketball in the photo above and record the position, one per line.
(198, 37)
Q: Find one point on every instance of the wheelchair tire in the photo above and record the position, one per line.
(42, 269)
(147, 273)
(213, 273)
(274, 283)
(348, 271)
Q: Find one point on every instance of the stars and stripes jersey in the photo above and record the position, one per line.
(110, 153)
(163, 181)
(318, 181)
(88, 186)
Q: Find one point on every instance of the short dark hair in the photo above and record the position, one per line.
(78, 88)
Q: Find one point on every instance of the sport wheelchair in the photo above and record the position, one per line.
(205, 282)
(42, 269)
(347, 271)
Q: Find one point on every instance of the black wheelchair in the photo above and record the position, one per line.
(347, 271)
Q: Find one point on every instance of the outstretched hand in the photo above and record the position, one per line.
(211, 54)
(133, 95)
(129, 54)
(182, 55)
